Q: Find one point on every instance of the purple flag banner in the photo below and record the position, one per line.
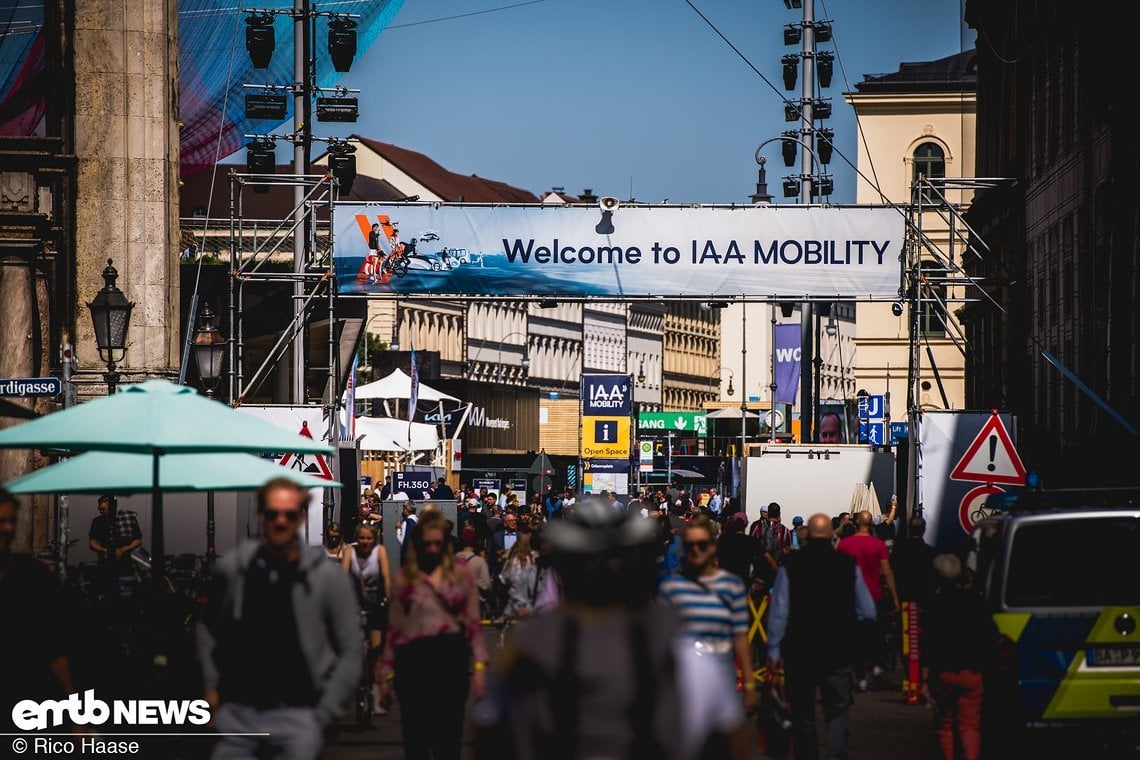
(787, 363)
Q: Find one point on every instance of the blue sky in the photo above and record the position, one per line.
(608, 93)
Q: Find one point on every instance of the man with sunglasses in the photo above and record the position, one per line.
(279, 642)
(712, 605)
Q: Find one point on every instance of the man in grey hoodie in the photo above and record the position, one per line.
(280, 643)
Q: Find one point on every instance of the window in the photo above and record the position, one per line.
(929, 162)
(1038, 576)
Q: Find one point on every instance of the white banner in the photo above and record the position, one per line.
(758, 251)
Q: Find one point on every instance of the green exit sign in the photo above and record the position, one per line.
(692, 423)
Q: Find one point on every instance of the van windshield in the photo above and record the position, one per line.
(1075, 563)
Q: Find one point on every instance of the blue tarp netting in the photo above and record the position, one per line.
(209, 31)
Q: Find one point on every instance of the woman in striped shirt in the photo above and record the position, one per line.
(712, 604)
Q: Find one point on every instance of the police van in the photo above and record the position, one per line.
(1061, 573)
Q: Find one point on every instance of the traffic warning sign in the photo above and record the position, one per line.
(318, 468)
(991, 457)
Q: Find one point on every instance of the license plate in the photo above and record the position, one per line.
(1114, 656)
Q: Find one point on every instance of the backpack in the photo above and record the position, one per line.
(774, 538)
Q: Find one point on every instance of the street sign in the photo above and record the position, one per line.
(318, 468)
(604, 395)
(991, 458)
(645, 456)
(871, 408)
(518, 484)
(605, 437)
(26, 387)
(972, 510)
(900, 431)
(606, 475)
(692, 423)
(412, 483)
(491, 484)
(774, 418)
(871, 432)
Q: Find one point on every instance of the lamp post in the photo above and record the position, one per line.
(209, 354)
(729, 391)
(499, 363)
(807, 167)
(209, 351)
(111, 317)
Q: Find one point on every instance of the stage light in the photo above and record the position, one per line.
(824, 146)
(342, 43)
(824, 67)
(261, 158)
(259, 39)
(342, 165)
(791, 64)
(338, 109)
(790, 148)
(270, 107)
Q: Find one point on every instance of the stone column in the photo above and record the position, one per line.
(126, 142)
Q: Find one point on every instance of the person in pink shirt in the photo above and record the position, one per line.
(435, 648)
(873, 559)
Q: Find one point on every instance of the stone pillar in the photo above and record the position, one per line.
(126, 143)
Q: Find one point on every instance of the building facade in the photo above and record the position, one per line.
(918, 122)
(1060, 239)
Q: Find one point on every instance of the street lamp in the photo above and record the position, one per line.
(111, 316)
(729, 390)
(209, 350)
(641, 373)
(525, 357)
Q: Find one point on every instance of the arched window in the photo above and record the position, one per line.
(929, 162)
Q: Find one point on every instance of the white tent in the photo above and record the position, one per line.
(399, 385)
(730, 413)
(388, 434)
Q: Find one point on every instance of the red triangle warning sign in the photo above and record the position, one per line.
(991, 458)
(318, 468)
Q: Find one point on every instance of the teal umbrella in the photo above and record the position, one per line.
(156, 418)
(102, 472)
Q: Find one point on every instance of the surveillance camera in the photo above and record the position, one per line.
(608, 203)
(897, 309)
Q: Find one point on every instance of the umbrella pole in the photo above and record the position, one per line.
(157, 548)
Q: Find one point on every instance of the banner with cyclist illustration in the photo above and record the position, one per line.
(577, 251)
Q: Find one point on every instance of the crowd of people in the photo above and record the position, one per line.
(635, 636)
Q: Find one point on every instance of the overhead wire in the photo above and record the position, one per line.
(465, 15)
(858, 121)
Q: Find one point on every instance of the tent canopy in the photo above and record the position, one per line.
(731, 413)
(399, 385)
(388, 434)
(116, 472)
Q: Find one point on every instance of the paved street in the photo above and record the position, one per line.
(883, 727)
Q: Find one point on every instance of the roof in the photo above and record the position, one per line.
(957, 72)
(276, 204)
(448, 185)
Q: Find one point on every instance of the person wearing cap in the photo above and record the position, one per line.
(797, 529)
(603, 674)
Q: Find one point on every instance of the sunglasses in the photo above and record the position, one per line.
(698, 545)
(435, 544)
(292, 515)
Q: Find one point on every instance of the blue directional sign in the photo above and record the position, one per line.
(900, 431)
(872, 433)
(871, 408)
(24, 387)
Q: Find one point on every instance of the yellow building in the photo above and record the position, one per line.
(918, 121)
